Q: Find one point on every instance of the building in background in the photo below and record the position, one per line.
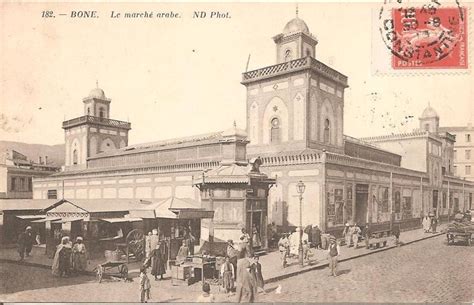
(463, 150)
(17, 172)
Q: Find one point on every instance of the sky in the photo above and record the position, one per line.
(180, 77)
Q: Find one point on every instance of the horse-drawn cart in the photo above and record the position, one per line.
(460, 231)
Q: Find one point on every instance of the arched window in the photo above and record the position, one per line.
(327, 131)
(101, 112)
(74, 156)
(287, 55)
(275, 131)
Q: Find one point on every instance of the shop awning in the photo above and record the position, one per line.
(45, 220)
(31, 217)
(67, 219)
(123, 219)
(173, 208)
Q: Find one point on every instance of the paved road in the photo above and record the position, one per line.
(426, 271)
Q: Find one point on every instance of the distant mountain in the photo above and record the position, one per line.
(55, 153)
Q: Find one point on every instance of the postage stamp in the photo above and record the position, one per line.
(431, 35)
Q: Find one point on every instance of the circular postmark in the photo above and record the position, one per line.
(423, 34)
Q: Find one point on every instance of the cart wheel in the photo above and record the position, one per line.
(99, 273)
(123, 270)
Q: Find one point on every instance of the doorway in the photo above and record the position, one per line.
(361, 203)
(257, 221)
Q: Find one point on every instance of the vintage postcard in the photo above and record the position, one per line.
(237, 152)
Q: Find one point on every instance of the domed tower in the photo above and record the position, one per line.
(94, 132)
(429, 120)
(297, 103)
(295, 41)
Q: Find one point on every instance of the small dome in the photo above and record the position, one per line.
(429, 112)
(97, 93)
(296, 25)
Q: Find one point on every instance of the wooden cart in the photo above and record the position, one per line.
(122, 269)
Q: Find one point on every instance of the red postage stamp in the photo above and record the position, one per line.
(426, 37)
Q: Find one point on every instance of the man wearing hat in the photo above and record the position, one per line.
(333, 253)
(233, 254)
(25, 243)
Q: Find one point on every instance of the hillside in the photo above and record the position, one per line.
(55, 153)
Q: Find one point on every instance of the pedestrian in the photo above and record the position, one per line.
(145, 286)
(316, 236)
(333, 253)
(25, 243)
(157, 263)
(426, 224)
(183, 252)
(206, 296)
(434, 224)
(246, 286)
(256, 241)
(244, 241)
(79, 255)
(190, 240)
(256, 270)
(232, 253)
(147, 245)
(38, 239)
(306, 250)
(154, 240)
(396, 233)
(347, 235)
(307, 230)
(227, 275)
(62, 258)
(355, 235)
(366, 234)
(283, 248)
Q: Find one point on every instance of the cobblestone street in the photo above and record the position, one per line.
(425, 271)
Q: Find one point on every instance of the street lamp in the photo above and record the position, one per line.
(300, 187)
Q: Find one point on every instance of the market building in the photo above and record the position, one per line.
(295, 126)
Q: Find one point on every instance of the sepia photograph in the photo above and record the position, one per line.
(237, 152)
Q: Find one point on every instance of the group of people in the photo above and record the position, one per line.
(69, 258)
(429, 224)
(351, 234)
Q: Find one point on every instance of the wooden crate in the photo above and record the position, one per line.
(181, 272)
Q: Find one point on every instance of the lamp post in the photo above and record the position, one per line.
(300, 187)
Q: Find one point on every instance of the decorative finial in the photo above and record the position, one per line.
(97, 84)
(296, 10)
(235, 124)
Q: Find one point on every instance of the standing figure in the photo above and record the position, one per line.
(147, 245)
(244, 241)
(157, 263)
(284, 248)
(79, 256)
(347, 235)
(145, 285)
(25, 243)
(246, 284)
(232, 254)
(396, 233)
(366, 233)
(190, 241)
(256, 241)
(333, 253)
(434, 224)
(316, 236)
(424, 224)
(62, 258)
(183, 252)
(154, 240)
(355, 235)
(256, 271)
(227, 275)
